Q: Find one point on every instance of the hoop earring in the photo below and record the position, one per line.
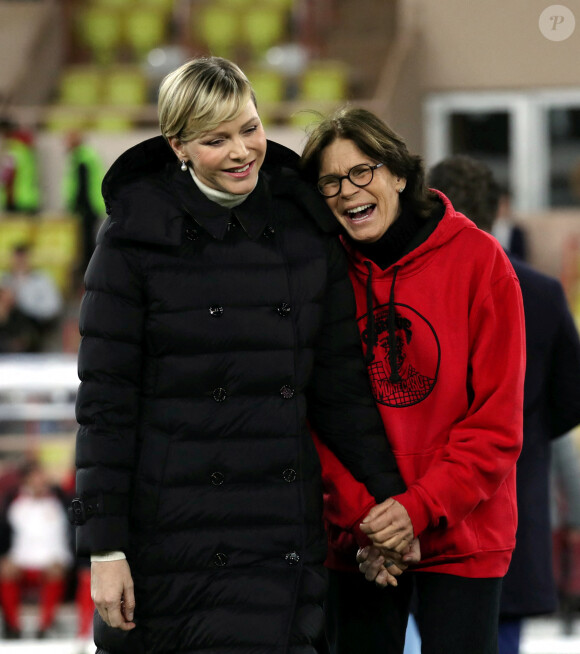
(183, 166)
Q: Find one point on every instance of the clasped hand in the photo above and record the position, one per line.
(394, 546)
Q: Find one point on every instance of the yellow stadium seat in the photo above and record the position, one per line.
(269, 85)
(145, 28)
(125, 86)
(324, 81)
(13, 231)
(113, 121)
(263, 27)
(56, 241)
(218, 28)
(63, 119)
(238, 4)
(81, 86)
(270, 89)
(115, 4)
(100, 30)
(165, 5)
(304, 118)
(281, 4)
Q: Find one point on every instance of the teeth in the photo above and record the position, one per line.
(241, 170)
(364, 207)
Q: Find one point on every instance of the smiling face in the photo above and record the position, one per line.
(365, 213)
(229, 157)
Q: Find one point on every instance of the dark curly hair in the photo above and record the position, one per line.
(378, 141)
(471, 187)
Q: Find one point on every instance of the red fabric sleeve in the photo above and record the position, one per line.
(346, 501)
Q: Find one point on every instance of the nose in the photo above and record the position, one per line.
(347, 190)
(239, 149)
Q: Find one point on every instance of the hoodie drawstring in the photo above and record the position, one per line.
(370, 355)
(392, 327)
(394, 377)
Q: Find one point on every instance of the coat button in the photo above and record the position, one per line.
(292, 558)
(217, 478)
(191, 234)
(219, 394)
(269, 232)
(220, 560)
(283, 309)
(216, 311)
(289, 475)
(287, 392)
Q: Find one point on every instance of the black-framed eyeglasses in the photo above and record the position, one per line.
(360, 175)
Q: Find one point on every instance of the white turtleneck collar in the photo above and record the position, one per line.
(228, 200)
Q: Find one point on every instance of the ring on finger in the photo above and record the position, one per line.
(389, 564)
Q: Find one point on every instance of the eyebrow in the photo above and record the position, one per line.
(214, 133)
(361, 163)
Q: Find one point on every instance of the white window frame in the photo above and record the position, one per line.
(529, 145)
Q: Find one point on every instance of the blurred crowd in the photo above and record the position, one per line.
(37, 560)
(33, 303)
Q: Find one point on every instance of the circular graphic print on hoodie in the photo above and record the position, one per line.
(403, 355)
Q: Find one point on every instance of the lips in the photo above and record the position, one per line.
(240, 172)
(360, 213)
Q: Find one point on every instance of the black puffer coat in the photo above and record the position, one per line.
(209, 337)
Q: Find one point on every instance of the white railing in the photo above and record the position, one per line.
(36, 387)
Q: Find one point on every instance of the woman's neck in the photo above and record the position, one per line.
(224, 199)
(392, 244)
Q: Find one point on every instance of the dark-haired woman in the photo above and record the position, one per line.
(441, 322)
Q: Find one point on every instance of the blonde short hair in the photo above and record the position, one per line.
(201, 94)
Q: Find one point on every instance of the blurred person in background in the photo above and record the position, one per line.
(217, 324)
(81, 191)
(565, 511)
(36, 296)
(551, 402)
(17, 334)
(441, 323)
(19, 182)
(36, 537)
(505, 228)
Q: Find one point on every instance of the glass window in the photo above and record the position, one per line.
(484, 136)
(564, 157)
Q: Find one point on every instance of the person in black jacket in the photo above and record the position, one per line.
(217, 327)
(551, 402)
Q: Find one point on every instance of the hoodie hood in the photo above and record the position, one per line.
(452, 223)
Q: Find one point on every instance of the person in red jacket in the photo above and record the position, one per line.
(440, 315)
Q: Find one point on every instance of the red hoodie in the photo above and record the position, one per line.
(450, 393)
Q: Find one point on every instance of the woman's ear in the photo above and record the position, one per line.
(177, 146)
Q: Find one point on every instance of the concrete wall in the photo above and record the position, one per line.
(494, 44)
(479, 45)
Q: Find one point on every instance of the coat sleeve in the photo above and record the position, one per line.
(341, 407)
(564, 374)
(346, 500)
(108, 400)
(482, 447)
